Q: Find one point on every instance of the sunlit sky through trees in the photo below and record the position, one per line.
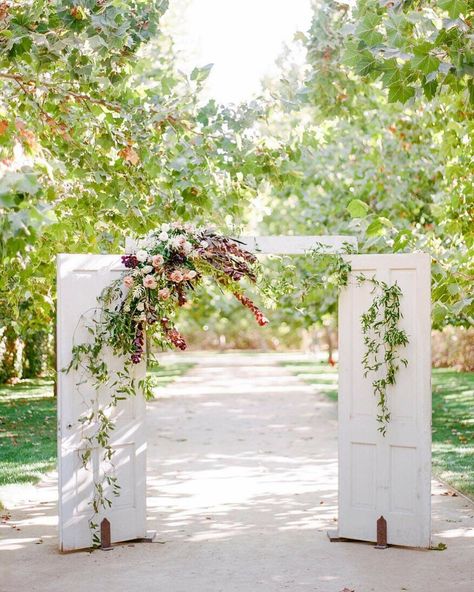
(242, 38)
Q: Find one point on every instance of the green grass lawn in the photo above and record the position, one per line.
(453, 418)
(27, 431)
(28, 425)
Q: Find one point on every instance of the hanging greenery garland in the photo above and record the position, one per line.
(380, 324)
(161, 272)
(383, 339)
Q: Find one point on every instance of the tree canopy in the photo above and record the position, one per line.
(394, 169)
(101, 137)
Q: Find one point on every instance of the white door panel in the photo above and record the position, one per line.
(81, 279)
(389, 475)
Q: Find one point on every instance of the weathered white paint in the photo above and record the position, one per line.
(81, 279)
(389, 475)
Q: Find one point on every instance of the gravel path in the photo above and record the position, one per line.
(242, 476)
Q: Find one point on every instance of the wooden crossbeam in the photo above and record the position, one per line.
(289, 245)
(297, 245)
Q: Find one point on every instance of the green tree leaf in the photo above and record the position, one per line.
(400, 92)
(366, 29)
(454, 7)
(425, 63)
(357, 208)
(202, 73)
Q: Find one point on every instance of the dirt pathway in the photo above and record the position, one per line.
(242, 477)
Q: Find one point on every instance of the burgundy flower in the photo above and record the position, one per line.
(257, 313)
(181, 295)
(138, 343)
(173, 335)
(130, 261)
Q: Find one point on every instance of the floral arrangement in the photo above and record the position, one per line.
(164, 268)
(160, 273)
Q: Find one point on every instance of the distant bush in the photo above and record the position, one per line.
(454, 347)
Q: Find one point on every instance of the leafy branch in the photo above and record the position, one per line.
(382, 339)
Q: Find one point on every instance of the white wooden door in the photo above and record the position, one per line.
(81, 279)
(389, 475)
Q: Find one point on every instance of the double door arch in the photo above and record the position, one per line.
(378, 475)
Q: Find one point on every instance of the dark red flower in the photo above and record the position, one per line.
(130, 261)
(257, 313)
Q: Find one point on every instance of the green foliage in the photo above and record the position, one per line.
(414, 47)
(357, 208)
(398, 176)
(35, 354)
(10, 364)
(101, 137)
(383, 340)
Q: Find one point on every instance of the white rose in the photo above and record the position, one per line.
(141, 255)
(163, 236)
(140, 306)
(165, 227)
(187, 247)
(147, 269)
(175, 242)
(204, 244)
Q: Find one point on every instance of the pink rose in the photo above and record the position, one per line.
(190, 275)
(176, 276)
(157, 260)
(128, 281)
(149, 282)
(164, 293)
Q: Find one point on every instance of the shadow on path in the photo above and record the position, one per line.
(242, 486)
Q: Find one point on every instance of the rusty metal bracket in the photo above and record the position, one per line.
(381, 533)
(105, 538)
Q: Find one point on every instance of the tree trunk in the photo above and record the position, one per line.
(329, 341)
(9, 366)
(35, 354)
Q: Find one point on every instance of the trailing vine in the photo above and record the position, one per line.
(380, 324)
(88, 361)
(160, 272)
(383, 339)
